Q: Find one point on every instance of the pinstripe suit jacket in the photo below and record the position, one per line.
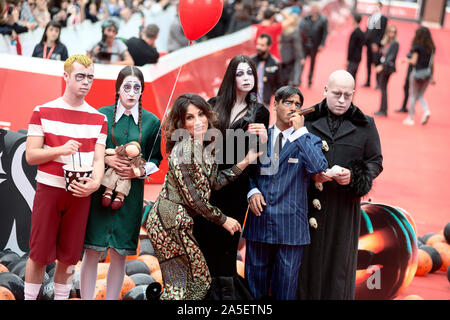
(284, 219)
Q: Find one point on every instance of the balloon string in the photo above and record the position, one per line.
(165, 111)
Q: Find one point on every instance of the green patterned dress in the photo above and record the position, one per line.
(185, 193)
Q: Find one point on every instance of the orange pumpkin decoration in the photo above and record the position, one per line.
(102, 270)
(157, 275)
(240, 266)
(435, 239)
(135, 256)
(127, 285)
(413, 297)
(100, 290)
(444, 251)
(3, 268)
(424, 264)
(151, 262)
(5, 294)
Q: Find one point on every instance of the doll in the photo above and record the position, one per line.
(113, 181)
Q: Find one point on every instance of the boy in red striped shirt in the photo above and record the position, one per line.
(58, 130)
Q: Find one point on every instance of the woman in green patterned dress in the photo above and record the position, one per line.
(118, 230)
(191, 177)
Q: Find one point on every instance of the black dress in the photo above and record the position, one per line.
(218, 246)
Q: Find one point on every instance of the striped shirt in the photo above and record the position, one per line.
(58, 122)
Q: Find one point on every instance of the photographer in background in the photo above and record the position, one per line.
(110, 50)
(143, 49)
(9, 22)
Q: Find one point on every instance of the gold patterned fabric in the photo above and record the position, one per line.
(185, 193)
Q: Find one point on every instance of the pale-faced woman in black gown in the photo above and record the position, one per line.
(237, 108)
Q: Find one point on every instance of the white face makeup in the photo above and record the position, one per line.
(79, 81)
(245, 80)
(130, 92)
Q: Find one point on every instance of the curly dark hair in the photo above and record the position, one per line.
(176, 116)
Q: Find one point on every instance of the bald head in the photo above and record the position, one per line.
(341, 77)
(315, 10)
(339, 91)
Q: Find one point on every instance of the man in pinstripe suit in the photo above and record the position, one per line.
(278, 228)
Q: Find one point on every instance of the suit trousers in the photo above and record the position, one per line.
(406, 88)
(373, 58)
(384, 80)
(312, 53)
(352, 68)
(272, 268)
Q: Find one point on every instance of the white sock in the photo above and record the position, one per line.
(116, 273)
(31, 290)
(88, 274)
(62, 291)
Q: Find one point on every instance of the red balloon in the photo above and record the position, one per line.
(197, 17)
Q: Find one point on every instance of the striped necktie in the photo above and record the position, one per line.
(278, 146)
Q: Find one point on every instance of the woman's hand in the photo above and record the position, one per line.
(120, 164)
(131, 173)
(260, 130)
(232, 225)
(249, 159)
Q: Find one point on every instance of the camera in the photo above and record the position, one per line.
(103, 53)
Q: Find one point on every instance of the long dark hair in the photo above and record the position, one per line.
(177, 114)
(226, 97)
(423, 37)
(125, 72)
(55, 24)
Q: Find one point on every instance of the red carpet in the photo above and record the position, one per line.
(415, 158)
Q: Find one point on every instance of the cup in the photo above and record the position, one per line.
(75, 172)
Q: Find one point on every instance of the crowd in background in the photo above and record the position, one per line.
(294, 35)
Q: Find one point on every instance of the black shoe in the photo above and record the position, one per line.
(403, 110)
(381, 114)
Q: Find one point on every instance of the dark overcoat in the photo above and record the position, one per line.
(329, 262)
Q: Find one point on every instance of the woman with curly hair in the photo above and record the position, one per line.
(191, 177)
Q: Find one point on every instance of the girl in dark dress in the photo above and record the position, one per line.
(237, 108)
(118, 230)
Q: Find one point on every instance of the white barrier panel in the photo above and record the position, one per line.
(26, 82)
(82, 37)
